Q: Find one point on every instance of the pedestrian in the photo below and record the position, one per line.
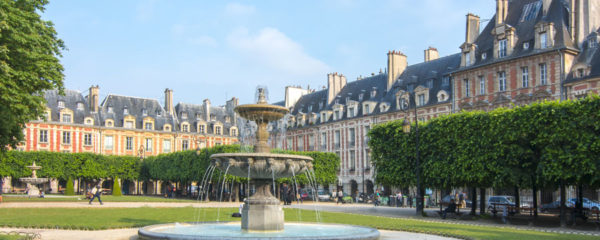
(450, 209)
(340, 197)
(377, 196)
(97, 191)
(42, 194)
(173, 194)
(461, 200)
(399, 199)
(284, 194)
(168, 192)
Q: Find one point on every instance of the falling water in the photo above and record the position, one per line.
(221, 196)
(313, 184)
(296, 190)
(205, 191)
(201, 190)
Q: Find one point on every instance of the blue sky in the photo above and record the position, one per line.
(221, 49)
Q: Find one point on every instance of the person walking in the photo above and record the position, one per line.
(97, 191)
(377, 196)
(340, 196)
(399, 199)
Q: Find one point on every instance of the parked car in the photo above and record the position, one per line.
(553, 206)
(500, 200)
(323, 195)
(587, 203)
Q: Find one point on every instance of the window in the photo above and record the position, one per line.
(502, 48)
(311, 142)
(430, 83)
(66, 118)
(184, 145)
(445, 81)
(300, 143)
(367, 129)
(360, 97)
(592, 43)
(351, 112)
(125, 111)
(483, 56)
(323, 141)
(289, 143)
(109, 123)
(128, 143)
(184, 115)
(43, 136)
(218, 130)
(185, 128)
(87, 139)
(352, 160)
(467, 87)
(543, 74)
(337, 115)
(351, 137)
(580, 72)
(201, 128)
(501, 81)
(148, 126)
(525, 77)
(543, 40)
(336, 139)
(128, 124)
(468, 59)
(373, 93)
(421, 99)
(108, 142)
(80, 106)
(144, 112)
(166, 146)
(61, 104)
(481, 85)
(88, 122)
(233, 132)
(526, 46)
(148, 144)
(110, 109)
(66, 138)
(367, 108)
(323, 117)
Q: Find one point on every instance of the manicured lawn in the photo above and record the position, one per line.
(11, 237)
(104, 218)
(81, 198)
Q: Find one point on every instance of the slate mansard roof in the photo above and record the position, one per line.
(117, 107)
(427, 74)
(523, 16)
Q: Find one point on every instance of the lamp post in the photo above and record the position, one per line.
(406, 129)
(141, 154)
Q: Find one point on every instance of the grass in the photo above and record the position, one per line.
(81, 198)
(107, 218)
(11, 237)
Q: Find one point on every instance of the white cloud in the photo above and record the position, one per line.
(238, 9)
(277, 51)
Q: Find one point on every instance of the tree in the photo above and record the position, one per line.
(70, 191)
(29, 64)
(116, 191)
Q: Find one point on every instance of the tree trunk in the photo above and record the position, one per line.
(473, 201)
(440, 200)
(563, 208)
(517, 199)
(535, 200)
(482, 201)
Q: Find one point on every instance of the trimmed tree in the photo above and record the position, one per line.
(70, 191)
(116, 191)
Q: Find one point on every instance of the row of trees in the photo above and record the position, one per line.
(542, 145)
(182, 167)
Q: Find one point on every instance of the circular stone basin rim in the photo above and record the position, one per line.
(233, 231)
(262, 155)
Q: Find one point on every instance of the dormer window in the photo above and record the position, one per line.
(109, 123)
(421, 99)
(483, 56)
(233, 132)
(502, 48)
(525, 45)
(66, 118)
(128, 124)
(201, 128)
(158, 113)
(580, 72)
(373, 92)
(125, 111)
(337, 101)
(323, 117)
(468, 58)
(367, 109)
(213, 117)
(110, 109)
(148, 126)
(80, 106)
(593, 43)
(347, 100)
(351, 112)
(61, 104)
(320, 105)
(218, 130)
(543, 40)
(310, 108)
(446, 81)
(144, 112)
(185, 127)
(184, 115)
(360, 97)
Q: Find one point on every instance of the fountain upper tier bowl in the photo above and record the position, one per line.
(262, 165)
(261, 112)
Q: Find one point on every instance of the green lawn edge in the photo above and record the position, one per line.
(115, 218)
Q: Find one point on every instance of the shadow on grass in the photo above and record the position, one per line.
(140, 222)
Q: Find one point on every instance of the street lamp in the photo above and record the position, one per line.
(141, 154)
(404, 106)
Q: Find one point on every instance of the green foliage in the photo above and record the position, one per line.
(540, 144)
(29, 64)
(325, 165)
(116, 191)
(70, 191)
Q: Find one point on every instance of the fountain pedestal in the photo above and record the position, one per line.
(262, 212)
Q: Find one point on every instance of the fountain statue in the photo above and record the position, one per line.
(262, 213)
(33, 181)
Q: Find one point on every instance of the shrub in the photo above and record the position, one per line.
(70, 191)
(116, 187)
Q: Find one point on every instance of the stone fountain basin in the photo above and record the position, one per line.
(261, 112)
(231, 230)
(33, 180)
(262, 165)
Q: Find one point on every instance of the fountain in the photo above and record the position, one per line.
(262, 213)
(33, 181)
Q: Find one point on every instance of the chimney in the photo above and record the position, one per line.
(230, 107)
(206, 107)
(501, 11)
(583, 19)
(93, 98)
(396, 66)
(335, 83)
(431, 54)
(472, 28)
(169, 101)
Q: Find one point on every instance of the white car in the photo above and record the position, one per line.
(323, 196)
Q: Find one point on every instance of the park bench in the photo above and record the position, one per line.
(594, 216)
(18, 190)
